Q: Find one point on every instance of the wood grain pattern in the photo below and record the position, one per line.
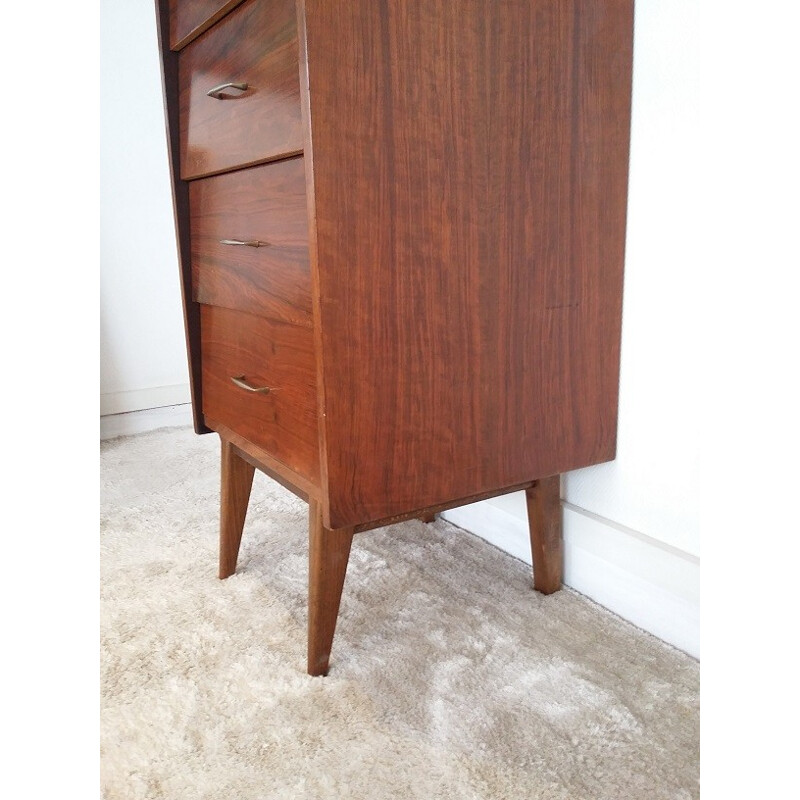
(301, 486)
(328, 553)
(256, 44)
(236, 482)
(547, 543)
(481, 229)
(308, 161)
(266, 353)
(189, 18)
(266, 204)
(452, 330)
(180, 206)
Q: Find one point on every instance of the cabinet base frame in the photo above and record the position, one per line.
(329, 550)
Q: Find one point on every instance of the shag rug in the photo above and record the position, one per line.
(450, 677)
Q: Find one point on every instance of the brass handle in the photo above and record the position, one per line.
(217, 91)
(240, 243)
(243, 384)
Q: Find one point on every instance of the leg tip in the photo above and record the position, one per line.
(547, 589)
(318, 669)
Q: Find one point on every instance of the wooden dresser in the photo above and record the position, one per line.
(401, 230)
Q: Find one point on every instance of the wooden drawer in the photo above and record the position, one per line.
(262, 352)
(189, 18)
(265, 204)
(256, 44)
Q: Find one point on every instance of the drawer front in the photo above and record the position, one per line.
(264, 205)
(189, 18)
(262, 353)
(256, 45)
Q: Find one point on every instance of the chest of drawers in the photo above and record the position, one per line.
(401, 231)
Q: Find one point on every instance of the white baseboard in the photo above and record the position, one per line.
(144, 399)
(651, 584)
(148, 419)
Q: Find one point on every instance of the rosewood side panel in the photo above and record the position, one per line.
(468, 264)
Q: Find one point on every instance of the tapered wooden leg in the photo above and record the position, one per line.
(547, 545)
(428, 516)
(237, 480)
(328, 552)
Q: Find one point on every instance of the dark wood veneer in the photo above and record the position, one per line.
(265, 204)
(180, 203)
(189, 18)
(296, 483)
(255, 44)
(266, 353)
(481, 228)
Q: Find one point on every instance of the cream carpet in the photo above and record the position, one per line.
(450, 677)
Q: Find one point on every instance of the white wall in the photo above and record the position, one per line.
(632, 538)
(143, 360)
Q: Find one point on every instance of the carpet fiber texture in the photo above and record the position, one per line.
(450, 677)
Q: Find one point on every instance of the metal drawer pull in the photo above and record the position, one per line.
(216, 92)
(243, 384)
(240, 243)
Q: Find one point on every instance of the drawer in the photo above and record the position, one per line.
(189, 18)
(264, 353)
(264, 205)
(256, 45)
